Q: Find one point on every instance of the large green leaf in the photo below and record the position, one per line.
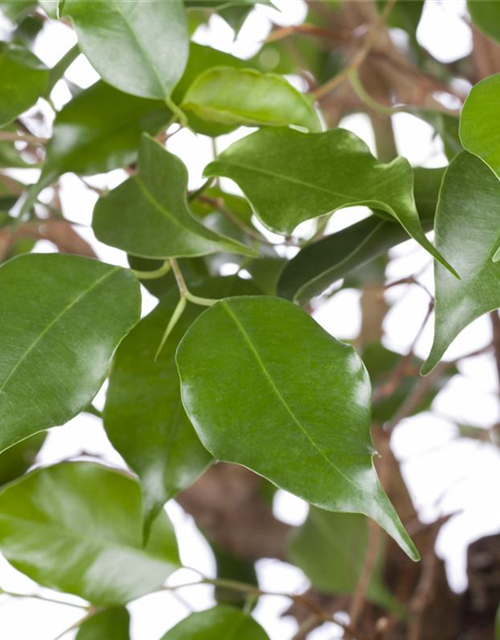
(138, 47)
(330, 549)
(23, 79)
(110, 624)
(266, 387)
(320, 264)
(230, 96)
(148, 215)
(220, 623)
(290, 177)
(61, 318)
(479, 122)
(468, 230)
(77, 527)
(486, 15)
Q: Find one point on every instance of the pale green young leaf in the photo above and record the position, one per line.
(109, 624)
(266, 387)
(230, 96)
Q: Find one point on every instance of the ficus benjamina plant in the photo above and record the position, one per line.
(230, 380)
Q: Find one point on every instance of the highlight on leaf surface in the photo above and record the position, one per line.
(298, 415)
(290, 177)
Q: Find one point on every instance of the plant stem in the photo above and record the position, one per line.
(183, 288)
(58, 71)
(35, 596)
(11, 136)
(360, 56)
(198, 192)
(76, 624)
(153, 275)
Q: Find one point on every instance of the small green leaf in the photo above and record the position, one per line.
(266, 387)
(77, 527)
(485, 14)
(479, 122)
(148, 215)
(232, 96)
(330, 549)
(138, 47)
(467, 229)
(220, 623)
(61, 318)
(290, 177)
(110, 624)
(23, 78)
(320, 264)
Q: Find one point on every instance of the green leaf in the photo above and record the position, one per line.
(467, 229)
(497, 625)
(61, 318)
(322, 263)
(246, 97)
(19, 458)
(290, 177)
(201, 59)
(220, 623)
(23, 78)
(479, 124)
(100, 130)
(330, 549)
(148, 215)
(486, 16)
(110, 624)
(266, 387)
(144, 417)
(77, 527)
(138, 47)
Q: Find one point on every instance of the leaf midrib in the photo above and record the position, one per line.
(53, 322)
(282, 400)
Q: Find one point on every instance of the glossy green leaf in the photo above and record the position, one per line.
(138, 47)
(148, 215)
(479, 123)
(110, 624)
(19, 458)
(220, 623)
(322, 263)
(290, 177)
(77, 527)
(144, 417)
(61, 318)
(230, 96)
(485, 14)
(201, 59)
(266, 387)
(23, 78)
(467, 229)
(330, 548)
(100, 130)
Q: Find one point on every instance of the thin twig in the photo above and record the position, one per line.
(360, 56)
(12, 136)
